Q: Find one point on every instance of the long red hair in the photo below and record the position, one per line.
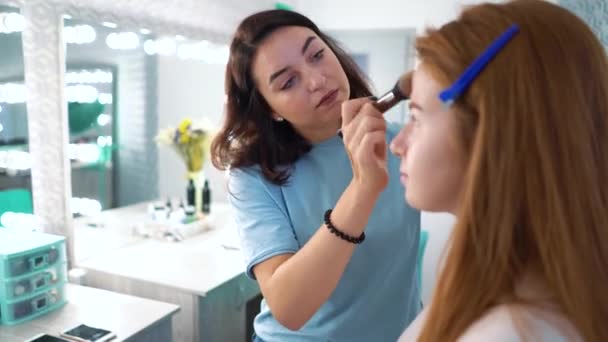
(533, 129)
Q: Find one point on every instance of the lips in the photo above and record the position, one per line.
(403, 177)
(328, 98)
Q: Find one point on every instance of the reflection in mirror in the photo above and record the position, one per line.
(130, 84)
(90, 94)
(190, 86)
(15, 180)
(110, 93)
(123, 87)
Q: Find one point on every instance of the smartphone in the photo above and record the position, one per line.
(46, 338)
(85, 333)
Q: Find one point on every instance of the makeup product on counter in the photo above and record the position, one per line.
(206, 193)
(190, 193)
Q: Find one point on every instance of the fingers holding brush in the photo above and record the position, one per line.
(401, 91)
(364, 133)
(364, 130)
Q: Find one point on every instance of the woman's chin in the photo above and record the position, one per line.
(410, 200)
(415, 202)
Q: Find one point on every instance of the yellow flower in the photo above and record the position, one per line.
(184, 125)
(184, 138)
(191, 141)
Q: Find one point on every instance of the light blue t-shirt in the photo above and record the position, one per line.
(377, 296)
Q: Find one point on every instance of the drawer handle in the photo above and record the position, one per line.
(42, 281)
(40, 303)
(38, 262)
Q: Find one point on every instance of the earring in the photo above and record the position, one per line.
(279, 119)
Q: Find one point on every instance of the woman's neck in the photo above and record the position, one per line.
(533, 286)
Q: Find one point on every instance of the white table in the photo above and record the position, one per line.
(204, 274)
(131, 318)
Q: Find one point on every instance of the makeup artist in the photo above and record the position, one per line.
(324, 227)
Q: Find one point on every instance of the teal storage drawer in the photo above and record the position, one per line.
(24, 253)
(39, 281)
(23, 310)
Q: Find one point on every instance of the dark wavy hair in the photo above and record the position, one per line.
(249, 135)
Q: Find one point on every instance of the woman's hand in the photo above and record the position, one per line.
(364, 134)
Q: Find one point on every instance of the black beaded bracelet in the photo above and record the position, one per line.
(339, 233)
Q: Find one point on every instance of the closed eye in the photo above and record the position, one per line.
(319, 55)
(289, 83)
(413, 118)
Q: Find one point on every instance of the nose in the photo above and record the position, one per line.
(400, 143)
(316, 81)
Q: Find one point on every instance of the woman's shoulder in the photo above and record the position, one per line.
(514, 323)
(253, 171)
(252, 176)
(496, 325)
(245, 175)
(505, 323)
(247, 179)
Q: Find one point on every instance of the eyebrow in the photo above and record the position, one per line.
(307, 43)
(277, 74)
(414, 105)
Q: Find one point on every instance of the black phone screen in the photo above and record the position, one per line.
(87, 333)
(48, 338)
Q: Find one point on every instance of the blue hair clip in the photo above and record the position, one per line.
(449, 95)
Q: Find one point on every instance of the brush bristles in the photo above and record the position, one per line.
(401, 91)
(405, 84)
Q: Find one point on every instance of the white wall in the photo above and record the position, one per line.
(381, 14)
(191, 89)
(389, 54)
(439, 227)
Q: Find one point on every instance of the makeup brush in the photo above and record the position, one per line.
(401, 91)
